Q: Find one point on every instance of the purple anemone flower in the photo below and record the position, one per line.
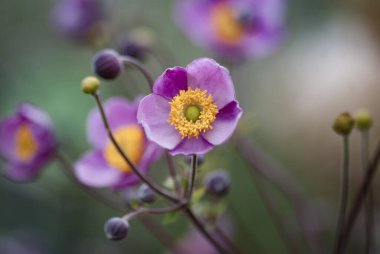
(233, 29)
(27, 142)
(78, 20)
(191, 109)
(104, 166)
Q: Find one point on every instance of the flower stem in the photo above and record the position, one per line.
(199, 225)
(344, 187)
(189, 191)
(143, 178)
(369, 205)
(358, 201)
(270, 206)
(226, 240)
(152, 226)
(140, 66)
(275, 174)
(173, 173)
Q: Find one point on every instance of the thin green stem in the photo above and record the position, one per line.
(277, 175)
(226, 240)
(140, 66)
(143, 178)
(173, 173)
(371, 169)
(369, 204)
(152, 226)
(344, 187)
(190, 188)
(199, 225)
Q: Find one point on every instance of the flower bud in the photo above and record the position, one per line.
(129, 47)
(200, 160)
(146, 194)
(107, 64)
(343, 124)
(217, 183)
(90, 84)
(363, 119)
(116, 228)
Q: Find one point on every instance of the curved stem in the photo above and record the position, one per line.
(173, 173)
(358, 201)
(344, 188)
(231, 245)
(275, 174)
(152, 226)
(279, 224)
(140, 66)
(66, 168)
(199, 225)
(189, 191)
(369, 205)
(141, 211)
(143, 178)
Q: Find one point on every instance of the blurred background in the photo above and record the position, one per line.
(328, 63)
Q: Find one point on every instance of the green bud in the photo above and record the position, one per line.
(90, 84)
(363, 119)
(343, 124)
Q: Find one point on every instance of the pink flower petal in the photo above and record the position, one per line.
(192, 146)
(171, 82)
(119, 112)
(92, 170)
(206, 74)
(153, 114)
(224, 124)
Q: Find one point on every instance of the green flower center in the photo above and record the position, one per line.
(192, 113)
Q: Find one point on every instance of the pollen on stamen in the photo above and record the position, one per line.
(190, 98)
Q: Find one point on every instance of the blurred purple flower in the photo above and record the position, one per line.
(104, 166)
(191, 109)
(78, 20)
(14, 246)
(234, 29)
(27, 142)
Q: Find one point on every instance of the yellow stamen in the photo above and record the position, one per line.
(26, 144)
(179, 115)
(225, 24)
(131, 140)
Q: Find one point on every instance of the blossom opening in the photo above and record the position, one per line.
(227, 26)
(131, 140)
(192, 112)
(26, 144)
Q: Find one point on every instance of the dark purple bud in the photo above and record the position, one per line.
(130, 47)
(78, 20)
(217, 183)
(107, 64)
(146, 194)
(116, 229)
(200, 160)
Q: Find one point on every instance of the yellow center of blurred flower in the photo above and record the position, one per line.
(226, 26)
(131, 140)
(26, 145)
(192, 112)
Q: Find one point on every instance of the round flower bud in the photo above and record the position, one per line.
(217, 183)
(200, 160)
(90, 84)
(107, 64)
(363, 119)
(146, 194)
(129, 47)
(116, 229)
(343, 124)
